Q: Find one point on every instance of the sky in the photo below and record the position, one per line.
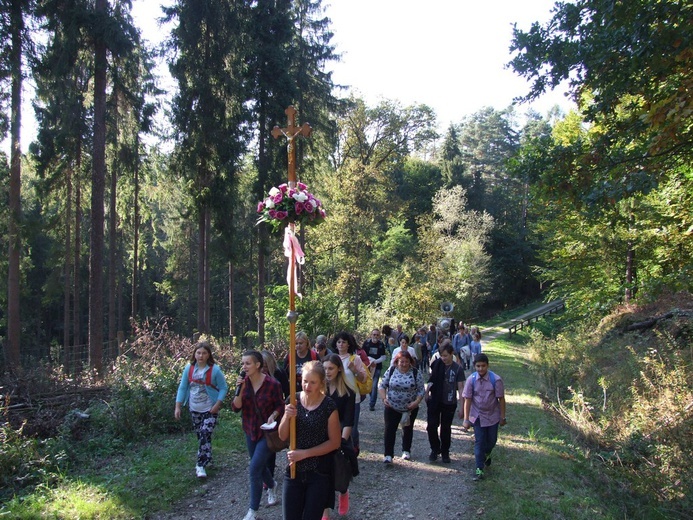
(448, 54)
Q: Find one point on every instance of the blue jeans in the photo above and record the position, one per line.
(485, 438)
(374, 392)
(258, 471)
(304, 497)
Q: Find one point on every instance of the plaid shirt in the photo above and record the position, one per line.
(268, 398)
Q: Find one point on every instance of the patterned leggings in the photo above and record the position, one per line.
(204, 424)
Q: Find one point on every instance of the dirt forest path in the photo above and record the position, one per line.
(415, 489)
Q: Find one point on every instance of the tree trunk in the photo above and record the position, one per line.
(67, 288)
(136, 232)
(12, 349)
(98, 178)
(77, 258)
(261, 274)
(630, 272)
(208, 280)
(112, 247)
(231, 330)
(201, 270)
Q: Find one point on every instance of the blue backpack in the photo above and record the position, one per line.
(491, 376)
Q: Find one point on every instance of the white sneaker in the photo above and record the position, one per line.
(201, 473)
(271, 497)
(250, 515)
(406, 455)
(387, 459)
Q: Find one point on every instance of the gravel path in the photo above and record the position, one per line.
(415, 489)
(405, 489)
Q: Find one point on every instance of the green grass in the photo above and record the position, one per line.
(150, 477)
(540, 470)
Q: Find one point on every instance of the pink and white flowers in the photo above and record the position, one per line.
(284, 204)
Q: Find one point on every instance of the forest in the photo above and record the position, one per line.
(115, 223)
(110, 222)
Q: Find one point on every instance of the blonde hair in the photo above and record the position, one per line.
(302, 335)
(315, 367)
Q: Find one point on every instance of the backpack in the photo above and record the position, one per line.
(208, 377)
(392, 369)
(365, 387)
(491, 376)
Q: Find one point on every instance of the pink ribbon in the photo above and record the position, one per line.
(292, 250)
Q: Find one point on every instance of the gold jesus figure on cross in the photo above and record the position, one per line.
(291, 132)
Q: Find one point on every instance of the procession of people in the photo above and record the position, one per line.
(450, 376)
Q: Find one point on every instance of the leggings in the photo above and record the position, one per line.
(204, 424)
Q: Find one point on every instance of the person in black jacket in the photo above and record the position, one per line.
(443, 389)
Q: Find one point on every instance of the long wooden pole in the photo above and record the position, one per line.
(291, 132)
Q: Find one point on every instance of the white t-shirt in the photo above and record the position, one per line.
(410, 349)
(199, 398)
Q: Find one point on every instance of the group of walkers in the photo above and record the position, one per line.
(333, 379)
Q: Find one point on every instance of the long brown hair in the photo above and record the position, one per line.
(339, 381)
(205, 345)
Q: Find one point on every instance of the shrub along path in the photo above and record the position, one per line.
(539, 471)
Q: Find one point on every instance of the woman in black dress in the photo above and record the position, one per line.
(317, 437)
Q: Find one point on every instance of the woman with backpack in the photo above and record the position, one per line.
(203, 387)
(402, 390)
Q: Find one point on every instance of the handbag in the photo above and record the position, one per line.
(341, 468)
(274, 443)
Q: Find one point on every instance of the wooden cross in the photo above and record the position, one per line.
(291, 132)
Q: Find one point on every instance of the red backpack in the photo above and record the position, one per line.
(208, 377)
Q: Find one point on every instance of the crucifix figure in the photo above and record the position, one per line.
(291, 132)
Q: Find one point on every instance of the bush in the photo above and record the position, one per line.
(629, 391)
(24, 461)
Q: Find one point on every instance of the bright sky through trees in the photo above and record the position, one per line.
(448, 54)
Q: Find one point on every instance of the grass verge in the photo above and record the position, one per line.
(148, 478)
(540, 471)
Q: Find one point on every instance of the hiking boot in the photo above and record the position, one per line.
(433, 456)
(200, 471)
(406, 455)
(478, 475)
(343, 503)
(271, 497)
(387, 459)
(445, 457)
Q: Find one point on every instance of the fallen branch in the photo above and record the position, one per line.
(654, 320)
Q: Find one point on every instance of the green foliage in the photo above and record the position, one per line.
(629, 394)
(25, 461)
